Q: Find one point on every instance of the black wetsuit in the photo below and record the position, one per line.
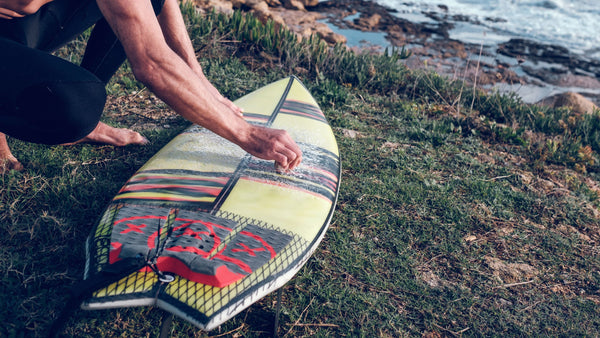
(46, 99)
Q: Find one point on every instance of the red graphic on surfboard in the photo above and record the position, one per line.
(199, 247)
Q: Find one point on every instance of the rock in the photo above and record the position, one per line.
(577, 102)
(310, 3)
(369, 23)
(217, 5)
(325, 33)
(349, 133)
(535, 50)
(296, 5)
(245, 4)
(262, 12)
(273, 3)
(305, 24)
(297, 21)
(299, 5)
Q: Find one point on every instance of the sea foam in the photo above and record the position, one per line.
(574, 24)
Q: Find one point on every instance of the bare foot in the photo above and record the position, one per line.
(102, 134)
(7, 161)
(106, 134)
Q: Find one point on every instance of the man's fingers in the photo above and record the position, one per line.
(292, 153)
(288, 159)
(238, 110)
(275, 144)
(296, 162)
(281, 163)
(294, 157)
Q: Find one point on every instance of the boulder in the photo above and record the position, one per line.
(305, 24)
(310, 3)
(295, 5)
(576, 102)
(245, 3)
(331, 37)
(262, 12)
(369, 23)
(218, 5)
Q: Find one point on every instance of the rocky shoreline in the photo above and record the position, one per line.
(541, 73)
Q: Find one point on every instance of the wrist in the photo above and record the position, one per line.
(242, 133)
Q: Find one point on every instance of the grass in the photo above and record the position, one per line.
(451, 220)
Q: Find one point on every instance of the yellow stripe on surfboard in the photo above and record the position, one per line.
(305, 130)
(274, 205)
(188, 152)
(299, 93)
(135, 283)
(270, 97)
(297, 127)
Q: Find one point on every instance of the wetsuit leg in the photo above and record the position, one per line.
(46, 99)
(43, 98)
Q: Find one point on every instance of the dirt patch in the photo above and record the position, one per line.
(510, 272)
(140, 111)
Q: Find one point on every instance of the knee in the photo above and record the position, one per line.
(61, 112)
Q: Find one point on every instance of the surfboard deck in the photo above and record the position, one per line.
(218, 228)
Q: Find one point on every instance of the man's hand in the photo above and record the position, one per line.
(273, 144)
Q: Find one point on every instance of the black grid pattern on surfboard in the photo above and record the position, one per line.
(202, 302)
(99, 242)
(135, 286)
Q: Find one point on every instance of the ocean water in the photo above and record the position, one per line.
(574, 24)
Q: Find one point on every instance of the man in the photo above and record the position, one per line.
(48, 100)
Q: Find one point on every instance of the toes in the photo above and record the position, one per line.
(8, 164)
(134, 138)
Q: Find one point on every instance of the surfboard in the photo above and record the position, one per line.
(216, 228)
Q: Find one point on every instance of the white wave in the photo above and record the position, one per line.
(574, 24)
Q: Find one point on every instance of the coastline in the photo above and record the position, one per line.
(538, 73)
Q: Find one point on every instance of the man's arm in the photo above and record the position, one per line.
(177, 37)
(172, 79)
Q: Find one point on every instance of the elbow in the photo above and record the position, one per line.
(145, 71)
(149, 67)
(154, 69)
